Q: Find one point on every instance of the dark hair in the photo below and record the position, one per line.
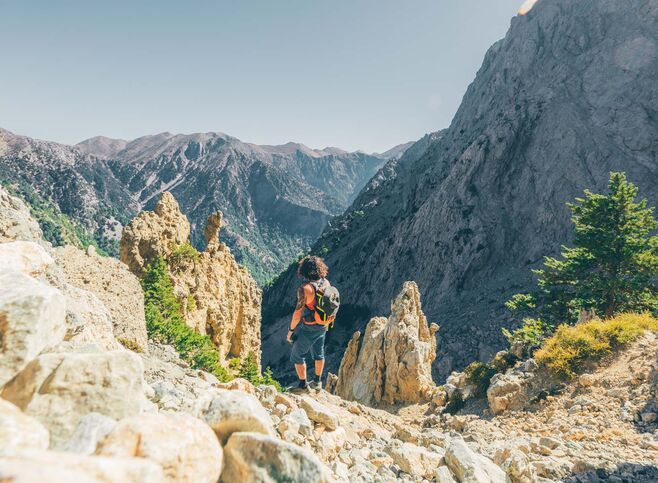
(312, 268)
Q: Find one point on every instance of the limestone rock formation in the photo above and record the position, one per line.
(18, 430)
(16, 223)
(394, 362)
(226, 298)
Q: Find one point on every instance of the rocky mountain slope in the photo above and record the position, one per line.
(275, 199)
(566, 97)
(75, 197)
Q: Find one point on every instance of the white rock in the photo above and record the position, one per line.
(232, 411)
(185, 447)
(18, 430)
(25, 257)
(471, 467)
(91, 429)
(59, 388)
(318, 412)
(59, 467)
(254, 457)
(415, 460)
(33, 315)
(443, 475)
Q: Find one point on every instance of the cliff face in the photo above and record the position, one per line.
(219, 296)
(566, 97)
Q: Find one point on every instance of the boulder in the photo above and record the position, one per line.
(26, 257)
(115, 286)
(18, 430)
(58, 389)
(394, 362)
(415, 460)
(518, 468)
(506, 392)
(232, 411)
(185, 447)
(318, 413)
(254, 457)
(57, 467)
(91, 429)
(471, 467)
(33, 318)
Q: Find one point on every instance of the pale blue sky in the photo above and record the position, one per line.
(357, 74)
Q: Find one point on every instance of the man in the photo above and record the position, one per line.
(313, 271)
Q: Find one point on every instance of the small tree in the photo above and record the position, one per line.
(613, 266)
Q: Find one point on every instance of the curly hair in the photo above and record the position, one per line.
(312, 268)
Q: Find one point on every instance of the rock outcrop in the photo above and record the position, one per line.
(226, 299)
(393, 364)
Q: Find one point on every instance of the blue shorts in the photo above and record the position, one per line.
(310, 339)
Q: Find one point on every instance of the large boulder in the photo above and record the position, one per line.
(114, 285)
(185, 447)
(471, 467)
(254, 457)
(506, 392)
(26, 257)
(32, 318)
(58, 389)
(91, 429)
(234, 411)
(31, 466)
(18, 430)
(394, 362)
(218, 296)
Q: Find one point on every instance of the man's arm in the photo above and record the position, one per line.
(299, 309)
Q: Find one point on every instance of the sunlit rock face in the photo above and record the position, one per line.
(565, 98)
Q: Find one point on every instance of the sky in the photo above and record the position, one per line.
(355, 74)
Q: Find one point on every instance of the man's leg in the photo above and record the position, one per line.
(319, 366)
(301, 371)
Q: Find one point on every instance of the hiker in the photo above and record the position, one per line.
(317, 305)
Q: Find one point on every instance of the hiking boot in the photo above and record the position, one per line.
(302, 386)
(317, 384)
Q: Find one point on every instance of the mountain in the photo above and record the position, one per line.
(75, 196)
(276, 199)
(567, 96)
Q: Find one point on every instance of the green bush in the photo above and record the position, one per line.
(530, 335)
(182, 255)
(573, 347)
(165, 323)
(479, 374)
(249, 371)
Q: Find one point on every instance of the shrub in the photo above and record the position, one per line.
(571, 347)
(479, 374)
(530, 335)
(249, 371)
(182, 255)
(165, 323)
(129, 344)
(191, 303)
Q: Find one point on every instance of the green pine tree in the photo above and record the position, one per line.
(613, 266)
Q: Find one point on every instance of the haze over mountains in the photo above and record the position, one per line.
(276, 199)
(567, 96)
